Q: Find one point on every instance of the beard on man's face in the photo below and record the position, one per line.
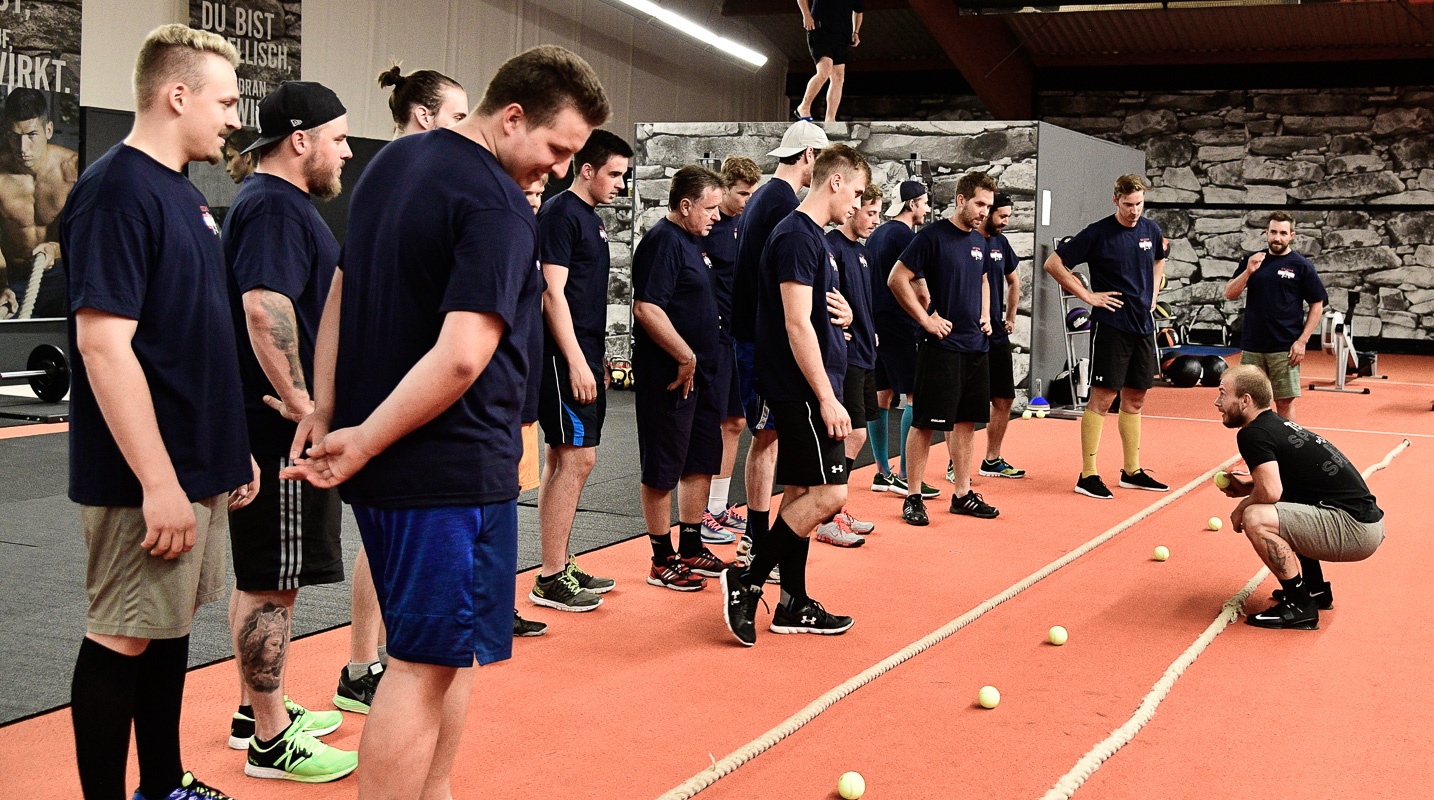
(324, 179)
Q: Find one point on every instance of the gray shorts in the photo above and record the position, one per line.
(1328, 534)
(135, 594)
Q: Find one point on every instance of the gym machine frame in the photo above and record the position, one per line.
(1337, 339)
(1079, 383)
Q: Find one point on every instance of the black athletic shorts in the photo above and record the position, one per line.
(823, 44)
(1119, 358)
(677, 436)
(1003, 371)
(563, 419)
(896, 365)
(951, 386)
(289, 536)
(806, 455)
(728, 380)
(859, 395)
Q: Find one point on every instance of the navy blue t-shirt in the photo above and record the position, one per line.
(571, 234)
(722, 249)
(1121, 260)
(953, 262)
(856, 288)
(769, 205)
(1274, 303)
(671, 271)
(435, 225)
(140, 243)
(275, 239)
(797, 251)
(532, 331)
(834, 16)
(1001, 261)
(884, 246)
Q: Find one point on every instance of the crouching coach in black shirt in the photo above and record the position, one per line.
(1303, 502)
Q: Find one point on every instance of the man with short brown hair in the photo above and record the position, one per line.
(157, 430)
(35, 180)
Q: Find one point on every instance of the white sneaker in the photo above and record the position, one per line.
(835, 533)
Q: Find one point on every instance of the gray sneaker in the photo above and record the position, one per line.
(837, 534)
(592, 583)
(563, 593)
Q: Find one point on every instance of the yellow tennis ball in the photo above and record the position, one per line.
(1216, 523)
(1058, 635)
(1222, 480)
(1026, 414)
(988, 697)
(1041, 414)
(1161, 553)
(851, 786)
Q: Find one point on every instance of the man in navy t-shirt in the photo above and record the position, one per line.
(721, 522)
(859, 384)
(572, 403)
(1281, 281)
(801, 369)
(1126, 253)
(282, 258)
(421, 373)
(158, 447)
(952, 389)
(770, 204)
(679, 397)
(1001, 263)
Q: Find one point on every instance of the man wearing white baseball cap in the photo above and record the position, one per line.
(768, 206)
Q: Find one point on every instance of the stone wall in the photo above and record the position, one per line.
(1354, 166)
(1006, 150)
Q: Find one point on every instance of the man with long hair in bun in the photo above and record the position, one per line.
(423, 99)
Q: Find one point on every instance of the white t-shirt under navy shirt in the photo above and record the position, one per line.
(141, 244)
(953, 262)
(275, 239)
(436, 225)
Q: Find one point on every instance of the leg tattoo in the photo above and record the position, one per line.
(263, 643)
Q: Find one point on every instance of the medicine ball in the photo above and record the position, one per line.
(1078, 319)
(1212, 368)
(1162, 310)
(1184, 371)
(1166, 338)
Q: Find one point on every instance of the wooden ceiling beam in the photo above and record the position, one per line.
(988, 55)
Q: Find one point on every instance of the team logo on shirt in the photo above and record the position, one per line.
(1145, 244)
(833, 261)
(1285, 272)
(707, 261)
(862, 258)
(997, 255)
(976, 253)
(209, 220)
(602, 231)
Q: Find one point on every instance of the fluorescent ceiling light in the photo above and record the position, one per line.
(698, 32)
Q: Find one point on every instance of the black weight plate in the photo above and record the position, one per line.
(55, 383)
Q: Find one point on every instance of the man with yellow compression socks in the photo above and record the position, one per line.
(1126, 254)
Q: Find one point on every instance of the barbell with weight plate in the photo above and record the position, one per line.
(48, 372)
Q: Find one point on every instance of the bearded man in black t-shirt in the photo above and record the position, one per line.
(1304, 502)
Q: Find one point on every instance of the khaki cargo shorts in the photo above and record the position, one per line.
(1328, 534)
(135, 594)
(1284, 379)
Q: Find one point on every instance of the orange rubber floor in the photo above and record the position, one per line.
(634, 698)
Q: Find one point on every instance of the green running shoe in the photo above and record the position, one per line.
(1000, 468)
(316, 723)
(592, 583)
(298, 756)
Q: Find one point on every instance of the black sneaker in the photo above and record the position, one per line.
(563, 593)
(1141, 480)
(1285, 616)
(1320, 593)
(810, 618)
(527, 627)
(740, 606)
(973, 505)
(357, 695)
(1093, 486)
(913, 511)
(591, 583)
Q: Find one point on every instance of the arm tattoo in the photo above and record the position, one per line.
(283, 329)
(263, 643)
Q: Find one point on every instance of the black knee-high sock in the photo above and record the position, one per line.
(1312, 571)
(767, 552)
(158, 697)
(850, 465)
(689, 539)
(102, 706)
(1297, 590)
(662, 551)
(794, 566)
(757, 524)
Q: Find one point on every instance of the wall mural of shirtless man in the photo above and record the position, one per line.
(35, 180)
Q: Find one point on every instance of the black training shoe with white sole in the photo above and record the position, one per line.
(1141, 480)
(739, 603)
(810, 618)
(1093, 486)
(1320, 593)
(1286, 616)
(973, 505)
(913, 511)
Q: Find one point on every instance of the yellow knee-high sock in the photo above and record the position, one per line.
(1090, 425)
(1129, 426)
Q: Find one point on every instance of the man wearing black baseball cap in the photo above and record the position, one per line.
(281, 257)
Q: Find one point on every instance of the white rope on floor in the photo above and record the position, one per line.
(792, 724)
(1091, 761)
